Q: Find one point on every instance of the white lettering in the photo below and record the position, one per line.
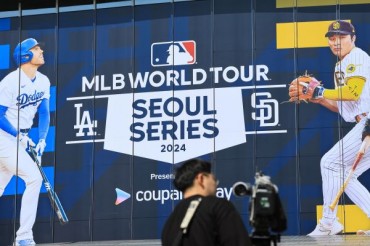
(173, 195)
(118, 81)
(102, 82)
(226, 72)
(250, 74)
(169, 78)
(261, 72)
(139, 196)
(84, 122)
(216, 70)
(161, 176)
(87, 83)
(228, 193)
(158, 195)
(203, 76)
(138, 80)
(172, 76)
(183, 79)
(161, 80)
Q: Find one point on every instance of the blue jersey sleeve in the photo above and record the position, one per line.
(44, 118)
(4, 122)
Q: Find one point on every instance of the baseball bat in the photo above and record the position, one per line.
(359, 156)
(54, 200)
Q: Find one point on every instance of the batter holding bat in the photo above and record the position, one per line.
(351, 99)
(23, 93)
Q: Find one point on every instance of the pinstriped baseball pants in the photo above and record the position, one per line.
(335, 166)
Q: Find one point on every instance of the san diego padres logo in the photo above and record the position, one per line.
(351, 68)
(268, 108)
(336, 25)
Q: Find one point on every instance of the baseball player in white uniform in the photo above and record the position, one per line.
(23, 92)
(351, 99)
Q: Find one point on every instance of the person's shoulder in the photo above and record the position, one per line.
(10, 79)
(184, 203)
(358, 51)
(214, 198)
(12, 74)
(217, 201)
(209, 202)
(43, 77)
(354, 57)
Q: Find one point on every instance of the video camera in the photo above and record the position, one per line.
(265, 208)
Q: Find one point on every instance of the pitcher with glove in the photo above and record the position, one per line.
(351, 99)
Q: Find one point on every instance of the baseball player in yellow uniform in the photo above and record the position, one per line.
(351, 99)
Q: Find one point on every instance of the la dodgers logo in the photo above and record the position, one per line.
(25, 99)
(173, 53)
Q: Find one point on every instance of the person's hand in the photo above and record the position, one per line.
(318, 101)
(40, 147)
(25, 141)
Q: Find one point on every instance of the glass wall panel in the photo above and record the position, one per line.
(138, 87)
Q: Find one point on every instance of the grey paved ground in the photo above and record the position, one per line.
(337, 240)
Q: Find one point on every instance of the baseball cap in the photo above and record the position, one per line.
(340, 27)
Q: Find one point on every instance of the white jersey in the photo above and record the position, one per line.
(355, 64)
(18, 92)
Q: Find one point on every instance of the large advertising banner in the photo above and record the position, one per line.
(137, 90)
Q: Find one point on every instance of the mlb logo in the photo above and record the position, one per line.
(173, 53)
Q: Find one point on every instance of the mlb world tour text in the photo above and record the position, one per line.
(171, 78)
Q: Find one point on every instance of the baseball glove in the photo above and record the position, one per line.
(303, 88)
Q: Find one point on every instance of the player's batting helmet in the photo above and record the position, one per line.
(22, 53)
